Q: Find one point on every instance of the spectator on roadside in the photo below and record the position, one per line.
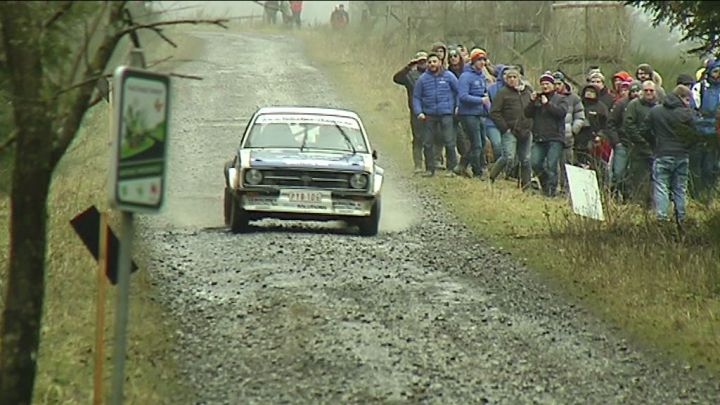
(598, 80)
(620, 143)
(508, 114)
(596, 117)
(689, 82)
(574, 120)
(434, 99)
(271, 8)
(464, 53)
(440, 49)
(640, 151)
(492, 133)
(296, 9)
(704, 159)
(617, 80)
(407, 77)
(473, 106)
(645, 72)
(339, 18)
(457, 66)
(547, 110)
(669, 125)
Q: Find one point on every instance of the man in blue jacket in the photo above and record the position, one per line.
(704, 159)
(473, 106)
(434, 100)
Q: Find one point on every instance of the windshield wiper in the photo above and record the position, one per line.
(304, 141)
(347, 138)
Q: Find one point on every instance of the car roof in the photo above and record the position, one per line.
(307, 110)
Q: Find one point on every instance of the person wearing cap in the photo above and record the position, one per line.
(473, 105)
(407, 77)
(508, 113)
(671, 127)
(619, 79)
(704, 159)
(434, 102)
(574, 121)
(547, 110)
(640, 153)
(620, 143)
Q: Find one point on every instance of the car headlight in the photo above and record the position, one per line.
(253, 177)
(358, 181)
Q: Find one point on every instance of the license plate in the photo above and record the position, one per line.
(310, 199)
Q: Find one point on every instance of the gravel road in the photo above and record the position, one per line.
(309, 313)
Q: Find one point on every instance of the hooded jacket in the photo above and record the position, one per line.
(507, 111)
(548, 119)
(575, 117)
(441, 45)
(472, 91)
(596, 117)
(655, 77)
(435, 93)
(669, 125)
(709, 96)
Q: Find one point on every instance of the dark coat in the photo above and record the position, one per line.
(671, 127)
(407, 76)
(548, 119)
(507, 111)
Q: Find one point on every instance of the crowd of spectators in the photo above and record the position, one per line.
(647, 144)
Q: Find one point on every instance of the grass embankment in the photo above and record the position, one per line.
(65, 363)
(663, 292)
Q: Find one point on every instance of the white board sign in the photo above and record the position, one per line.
(584, 192)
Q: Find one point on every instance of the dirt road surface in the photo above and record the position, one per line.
(310, 313)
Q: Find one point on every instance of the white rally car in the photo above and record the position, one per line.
(305, 163)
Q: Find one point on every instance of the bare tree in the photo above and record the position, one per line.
(50, 92)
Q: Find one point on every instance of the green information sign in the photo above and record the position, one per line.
(141, 112)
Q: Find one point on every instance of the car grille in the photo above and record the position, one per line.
(307, 179)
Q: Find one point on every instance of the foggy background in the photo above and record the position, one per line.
(313, 13)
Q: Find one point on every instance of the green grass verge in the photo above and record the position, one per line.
(628, 271)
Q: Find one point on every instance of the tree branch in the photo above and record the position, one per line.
(82, 83)
(219, 21)
(81, 101)
(168, 40)
(184, 76)
(64, 8)
(83, 50)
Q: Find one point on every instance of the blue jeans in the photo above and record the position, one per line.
(671, 178)
(618, 170)
(439, 127)
(513, 148)
(474, 129)
(495, 138)
(550, 151)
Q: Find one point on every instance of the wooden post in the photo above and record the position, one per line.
(100, 314)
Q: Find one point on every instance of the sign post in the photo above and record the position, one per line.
(141, 114)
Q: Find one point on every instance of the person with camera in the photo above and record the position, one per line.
(407, 76)
(547, 110)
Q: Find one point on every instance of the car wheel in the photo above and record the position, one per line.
(227, 204)
(369, 226)
(239, 219)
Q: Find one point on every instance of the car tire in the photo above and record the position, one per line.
(369, 226)
(239, 219)
(227, 204)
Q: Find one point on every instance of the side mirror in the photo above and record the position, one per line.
(374, 155)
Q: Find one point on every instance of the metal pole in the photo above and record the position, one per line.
(100, 315)
(137, 59)
(121, 310)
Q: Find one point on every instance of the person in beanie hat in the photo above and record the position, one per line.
(547, 110)
(406, 77)
(473, 105)
(574, 120)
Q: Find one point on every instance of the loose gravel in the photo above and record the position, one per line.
(311, 313)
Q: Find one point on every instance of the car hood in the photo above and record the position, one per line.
(314, 159)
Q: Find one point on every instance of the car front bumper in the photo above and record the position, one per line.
(326, 205)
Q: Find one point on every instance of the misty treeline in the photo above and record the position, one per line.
(540, 35)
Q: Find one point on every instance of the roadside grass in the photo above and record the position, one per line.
(661, 290)
(66, 354)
